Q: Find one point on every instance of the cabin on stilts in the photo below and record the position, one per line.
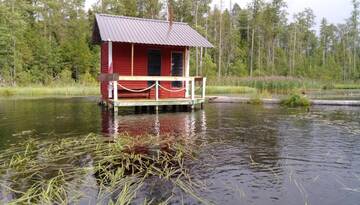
(146, 62)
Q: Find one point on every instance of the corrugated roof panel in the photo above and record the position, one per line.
(147, 31)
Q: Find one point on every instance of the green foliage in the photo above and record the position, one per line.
(229, 90)
(209, 66)
(87, 79)
(36, 90)
(255, 100)
(296, 100)
(41, 40)
(274, 84)
(347, 86)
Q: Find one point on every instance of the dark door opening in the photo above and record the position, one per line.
(177, 67)
(154, 64)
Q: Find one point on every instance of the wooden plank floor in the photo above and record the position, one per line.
(153, 102)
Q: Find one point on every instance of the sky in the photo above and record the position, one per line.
(335, 11)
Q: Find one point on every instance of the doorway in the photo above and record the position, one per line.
(154, 64)
(177, 67)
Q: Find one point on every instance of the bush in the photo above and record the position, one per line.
(87, 79)
(328, 86)
(65, 77)
(256, 100)
(296, 100)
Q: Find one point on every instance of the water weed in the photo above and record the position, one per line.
(58, 172)
(296, 100)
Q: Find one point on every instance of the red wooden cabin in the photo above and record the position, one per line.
(146, 60)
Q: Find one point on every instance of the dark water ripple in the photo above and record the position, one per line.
(249, 154)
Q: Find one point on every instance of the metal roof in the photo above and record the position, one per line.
(146, 31)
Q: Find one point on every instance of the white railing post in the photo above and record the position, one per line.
(192, 89)
(187, 72)
(203, 88)
(157, 90)
(115, 90)
(110, 69)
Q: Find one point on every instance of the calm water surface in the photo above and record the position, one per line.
(250, 154)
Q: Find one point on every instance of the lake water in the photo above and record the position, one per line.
(249, 154)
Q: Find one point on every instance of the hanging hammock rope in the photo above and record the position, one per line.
(172, 91)
(136, 91)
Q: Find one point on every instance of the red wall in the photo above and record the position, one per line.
(122, 65)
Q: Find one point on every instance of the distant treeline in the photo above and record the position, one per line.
(46, 41)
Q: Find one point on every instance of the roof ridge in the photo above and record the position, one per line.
(140, 19)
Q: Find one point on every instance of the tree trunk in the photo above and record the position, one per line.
(252, 53)
(220, 40)
(294, 52)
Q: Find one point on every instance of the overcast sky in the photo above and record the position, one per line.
(336, 11)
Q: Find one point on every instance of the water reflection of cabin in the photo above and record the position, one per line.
(147, 62)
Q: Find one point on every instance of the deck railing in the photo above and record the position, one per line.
(189, 88)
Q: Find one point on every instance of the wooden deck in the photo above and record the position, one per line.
(154, 102)
(189, 86)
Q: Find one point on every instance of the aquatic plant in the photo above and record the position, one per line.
(62, 90)
(296, 100)
(347, 86)
(229, 90)
(255, 100)
(57, 172)
(273, 84)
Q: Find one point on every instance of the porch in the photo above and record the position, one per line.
(194, 89)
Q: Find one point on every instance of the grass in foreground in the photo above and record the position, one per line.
(58, 172)
(71, 90)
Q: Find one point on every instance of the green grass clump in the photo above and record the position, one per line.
(57, 172)
(70, 90)
(352, 86)
(230, 90)
(256, 99)
(296, 100)
(273, 84)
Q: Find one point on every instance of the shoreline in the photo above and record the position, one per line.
(234, 99)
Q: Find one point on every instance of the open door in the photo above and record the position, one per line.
(154, 64)
(177, 67)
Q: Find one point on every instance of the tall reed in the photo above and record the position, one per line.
(274, 84)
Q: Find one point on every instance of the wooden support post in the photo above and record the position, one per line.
(116, 110)
(157, 90)
(132, 59)
(203, 88)
(193, 89)
(115, 90)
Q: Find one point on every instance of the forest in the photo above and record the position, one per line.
(49, 41)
